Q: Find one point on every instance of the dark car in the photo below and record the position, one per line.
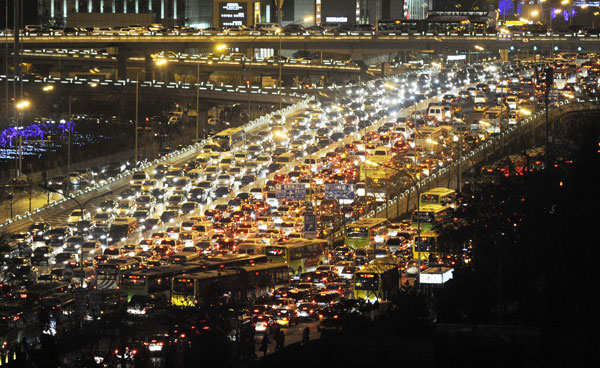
(247, 180)
(145, 305)
(222, 192)
(197, 195)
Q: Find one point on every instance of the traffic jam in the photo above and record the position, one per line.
(283, 221)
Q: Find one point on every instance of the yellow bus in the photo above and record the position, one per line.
(299, 254)
(440, 196)
(376, 282)
(366, 232)
(428, 249)
(426, 217)
(229, 138)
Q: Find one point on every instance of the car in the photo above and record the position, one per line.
(263, 322)
(307, 310)
(78, 215)
(479, 107)
(284, 316)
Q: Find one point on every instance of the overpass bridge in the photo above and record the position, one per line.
(355, 43)
(365, 48)
(194, 67)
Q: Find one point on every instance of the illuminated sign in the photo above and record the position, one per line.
(336, 19)
(232, 14)
(436, 275)
(456, 57)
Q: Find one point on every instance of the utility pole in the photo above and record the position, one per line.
(197, 99)
(137, 102)
(549, 84)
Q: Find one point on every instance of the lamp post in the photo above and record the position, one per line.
(20, 106)
(197, 99)
(81, 209)
(552, 15)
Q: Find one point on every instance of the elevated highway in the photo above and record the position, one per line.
(354, 43)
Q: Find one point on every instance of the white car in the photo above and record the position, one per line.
(77, 215)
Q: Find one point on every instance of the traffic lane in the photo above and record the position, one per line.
(293, 335)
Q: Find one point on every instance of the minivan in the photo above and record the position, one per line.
(269, 27)
(285, 158)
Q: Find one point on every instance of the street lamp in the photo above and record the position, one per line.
(553, 13)
(21, 105)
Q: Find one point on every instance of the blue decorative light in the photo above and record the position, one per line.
(34, 130)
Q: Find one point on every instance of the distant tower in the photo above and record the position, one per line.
(416, 9)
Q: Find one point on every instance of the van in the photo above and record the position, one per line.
(436, 113)
(204, 159)
(479, 98)
(189, 237)
(382, 151)
(205, 230)
(250, 247)
(285, 158)
(269, 27)
(512, 102)
(184, 256)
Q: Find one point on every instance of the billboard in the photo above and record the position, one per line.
(232, 14)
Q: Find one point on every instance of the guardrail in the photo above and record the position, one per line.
(173, 157)
(442, 173)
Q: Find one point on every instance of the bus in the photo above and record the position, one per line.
(428, 246)
(232, 260)
(376, 282)
(426, 217)
(110, 272)
(229, 138)
(247, 282)
(262, 279)
(440, 196)
(203, 288)
(366, 232)
(300, 254)
(151, 281)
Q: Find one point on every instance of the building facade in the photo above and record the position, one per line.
(214, 13)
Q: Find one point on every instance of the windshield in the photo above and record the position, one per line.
(366, 281)
(184, 286)
(275, 251)
(357, 232)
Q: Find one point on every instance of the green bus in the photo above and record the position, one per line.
(426, 217)
(152, 281)
(202, 288)
(366, 232)
(376, 282)
(247, 282)
(440, 196)
(299, 254)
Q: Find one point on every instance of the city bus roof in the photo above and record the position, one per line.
(368, 222)
(441, 191)
(297, 242)
(228, 132)
(377, 268)
(431, 208)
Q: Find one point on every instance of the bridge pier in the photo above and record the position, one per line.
(122, 65)
(148, 67)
